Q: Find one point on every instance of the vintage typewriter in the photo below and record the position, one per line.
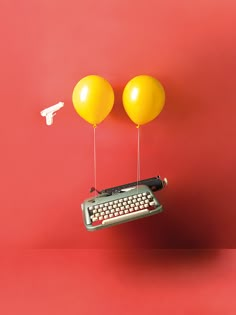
(123, 203)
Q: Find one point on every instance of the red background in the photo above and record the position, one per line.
(46, 172)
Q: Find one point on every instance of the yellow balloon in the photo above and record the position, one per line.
(93, 98)
(143, 99)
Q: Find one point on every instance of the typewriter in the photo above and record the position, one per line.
(123, 203)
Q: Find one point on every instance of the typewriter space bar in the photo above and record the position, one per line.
(125, 217)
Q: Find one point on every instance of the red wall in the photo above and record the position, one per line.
(46, 172)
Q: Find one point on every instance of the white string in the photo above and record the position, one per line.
(95, 160)
(138, 156)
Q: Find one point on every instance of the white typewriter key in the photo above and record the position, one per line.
(141, 207)
(111, 203)
(129, 202)
(90, 208)
(143, 198)
(134, 196)
(126, 211)
(99, 210)
(114, 206)
(119, 204)
(131, 209)
(141, 202)
(125, 199)
(117, 209)
(116, 214)
(144, 193)
(135, 208)
(149, 197)
(139, 199)
(139, 195)
(125, 203)
(96, 207)
(106, 204)
(94, 219)
(94, 211)
(116, 201)
(110, 207)
(102, 213)
(111, 215)
(100, 218)
(130, 197)
(120, 200)
(137, 204)
(146, 201)
(107, 212)
(122, 208)
(112, 211)
(121, 212)
(105, 208)
(97, 215)
(152, 203)
(106, 216)
(132, 205)
(145, 205)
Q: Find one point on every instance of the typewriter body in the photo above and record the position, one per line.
(122, 204)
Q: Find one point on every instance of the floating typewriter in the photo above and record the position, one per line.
(121, 204)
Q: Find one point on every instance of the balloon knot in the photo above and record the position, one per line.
(94, 126)
(137, 126)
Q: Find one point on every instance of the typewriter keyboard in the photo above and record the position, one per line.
(121, 209)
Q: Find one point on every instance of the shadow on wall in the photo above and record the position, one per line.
(164, 260)
(118, 113)
(185, 223)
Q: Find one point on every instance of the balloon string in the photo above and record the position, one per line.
(95, 159)
(138, 156)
